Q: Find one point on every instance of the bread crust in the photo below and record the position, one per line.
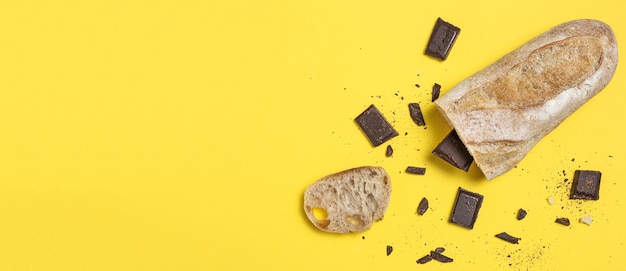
(502, 111)
(353, 199)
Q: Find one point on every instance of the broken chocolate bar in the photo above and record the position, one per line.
(376, 127)
(586, 185)
(441, 39)
(424, 259)
(506, 237)
(389, 250)
(416, 170)
(452, 150)
(436, 91)
(440, 257)
(389, 151)
(422, 207)
(466, 208)
(562, 221)
(416, 114)
(521, 214)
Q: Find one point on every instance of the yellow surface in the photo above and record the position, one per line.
(180, 135)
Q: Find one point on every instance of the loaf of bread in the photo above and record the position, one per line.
(348, 201)
(502, 111)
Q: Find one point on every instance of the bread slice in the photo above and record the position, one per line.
(502, 111)
(348, 201)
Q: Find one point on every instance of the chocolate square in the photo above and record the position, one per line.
(466, 208)
(586, 185)
(452, 150)
(441, 39)
(376, 127)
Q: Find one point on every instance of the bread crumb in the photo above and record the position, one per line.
(551, 200)
(586, 219)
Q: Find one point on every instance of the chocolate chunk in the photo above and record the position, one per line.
(376, 127)
(466, 208)
(452, 150)
(389, 151)
(416, 114)
(416, 170)
(562, 221)
(521, 214)
(422, 207)
(506, 237)
(586, 185)
(440, 250)
(440, 257)
(389, 250)
(424, 259)
(441, 39)
(436, 91)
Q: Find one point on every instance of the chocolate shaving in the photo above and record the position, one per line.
(416, 170)
(389, 250)
(506, 237)
(563, 221)
(416, 114)
(424, 259)
(440, 257)
(521, 214)
(436, 91)
(389, 151)
(423, 207)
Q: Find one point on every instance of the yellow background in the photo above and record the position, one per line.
(180, 135)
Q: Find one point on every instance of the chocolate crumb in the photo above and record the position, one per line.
(422, 207)
(563, 221)
(389, 250)
(417, 85)
(389, 151)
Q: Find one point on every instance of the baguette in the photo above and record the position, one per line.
(348, 201)
(502, 111)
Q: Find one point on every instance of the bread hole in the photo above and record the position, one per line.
(320, 213)
(321, 217)
(355, 220)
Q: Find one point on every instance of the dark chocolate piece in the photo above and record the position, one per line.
(521, 214)
(441, 39)
(562, 221)
(389, 151)
(440, 257)
(586, 185)
(466, 208)
(416, 170)
(506, 237)
(452, 150)
(416, 114)
(424, 259)
(376, 127)
(440, 250)
(436, 91)
(422, 207)
(389, 250)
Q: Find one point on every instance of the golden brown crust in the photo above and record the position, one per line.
(502, 111)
